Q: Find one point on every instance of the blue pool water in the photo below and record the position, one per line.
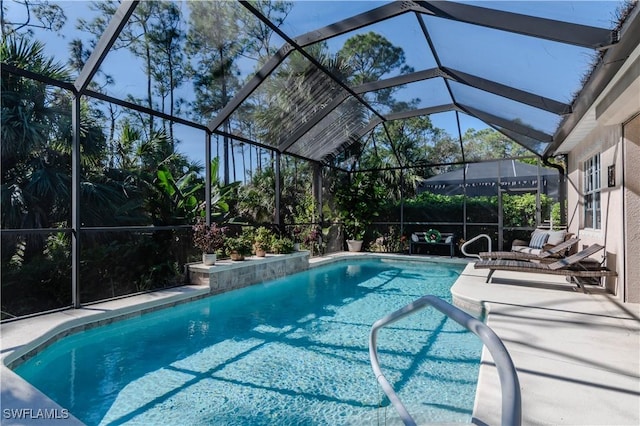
(292, 351)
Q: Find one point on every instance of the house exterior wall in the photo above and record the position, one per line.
(632, 209)
(606, 141)
(616, 137)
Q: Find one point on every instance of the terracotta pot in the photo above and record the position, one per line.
(234, 255)
(261, 253)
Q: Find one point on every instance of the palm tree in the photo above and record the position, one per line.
(257, 199)
(36, 150)
(34, 170)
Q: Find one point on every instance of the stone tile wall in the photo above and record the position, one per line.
(228, 275)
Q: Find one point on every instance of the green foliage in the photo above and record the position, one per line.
(490, 144)
(358, 201)
(26, 53)
(113, 265)
(221, 194)
(36, 14)
(241, 244)
(428, 207)
(282, 245)
(304, 208)
(181, 193)
(257, 199)
(35, 137)
(389, 242)
(371, 55)
(208, 238)
(46, 285)
(134, 175)
(312, 239)
(297, 202)
(126, 263)
(518, 210)
(214, 29)
(555, 215)
(136, 180)
(263, 238)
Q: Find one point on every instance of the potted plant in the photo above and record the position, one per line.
(282, 245)
(354, 231)
(238, 247)
(313, 240)
(209, 239)
(295, 236)
(262, 240)
(358, 198)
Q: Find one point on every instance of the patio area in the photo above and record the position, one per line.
(577, 353)
(326, 125)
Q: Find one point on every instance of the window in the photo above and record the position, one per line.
(592, 192)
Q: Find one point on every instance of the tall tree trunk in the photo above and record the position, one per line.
(226, 125)
(171, 95)
(147, 49)
(112, 135)
(244, 164)
(233, 161)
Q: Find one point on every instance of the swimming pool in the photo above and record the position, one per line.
(289, 352)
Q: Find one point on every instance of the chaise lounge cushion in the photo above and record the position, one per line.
(556, 237)
(541, 239)
(526, 249)
(538, 240)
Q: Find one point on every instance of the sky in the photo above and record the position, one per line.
(495, 55)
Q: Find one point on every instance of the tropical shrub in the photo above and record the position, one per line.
(263, 239)
(519, 210)
(208, 238)
(358, 201)
(555, 214)
(389, 242)
(241, 244)
(282, 245)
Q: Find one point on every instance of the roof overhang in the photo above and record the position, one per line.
(610, 96)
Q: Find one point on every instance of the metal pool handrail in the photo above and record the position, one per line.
(511, 402)
(477, 237)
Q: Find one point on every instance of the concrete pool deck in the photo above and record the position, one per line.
(577, 354)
